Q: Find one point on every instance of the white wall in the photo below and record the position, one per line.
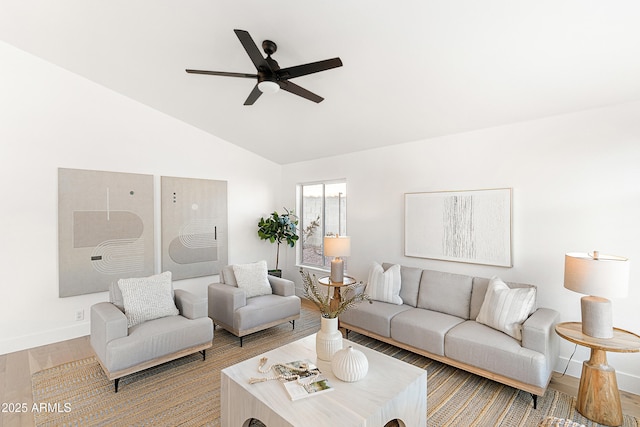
(575, 181)
(51, 118)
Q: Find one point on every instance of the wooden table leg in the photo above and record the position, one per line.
(335, 301)
(598, 395)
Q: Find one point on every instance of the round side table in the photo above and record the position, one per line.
(598, 395)
(337, 296)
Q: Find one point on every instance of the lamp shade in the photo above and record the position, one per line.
(267, 86)
(596, 274)
(337, 246)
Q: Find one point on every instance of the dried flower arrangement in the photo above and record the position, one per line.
(352, 295)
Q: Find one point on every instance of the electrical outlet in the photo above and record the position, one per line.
(79, 315)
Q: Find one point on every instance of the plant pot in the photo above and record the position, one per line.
(328, 338)
(276, 273)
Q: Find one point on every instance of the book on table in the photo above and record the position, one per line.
(311, 382)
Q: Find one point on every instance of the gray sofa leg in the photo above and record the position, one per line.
(293, 322)
(204, 355)
(115, 383)
(240, 341)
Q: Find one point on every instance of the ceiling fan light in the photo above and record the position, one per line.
(268, 86)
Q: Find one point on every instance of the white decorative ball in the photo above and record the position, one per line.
(349, 364)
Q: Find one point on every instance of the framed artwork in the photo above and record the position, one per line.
(105, 229)
(464, 226)
(194, 226)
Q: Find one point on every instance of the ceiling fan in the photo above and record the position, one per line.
(270, 77)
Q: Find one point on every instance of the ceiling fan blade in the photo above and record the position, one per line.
(251, 48)
(223, 73)
(253, 96)
(313, 67)
(300, 91)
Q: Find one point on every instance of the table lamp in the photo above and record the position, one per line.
(599, 277)
(338, 246)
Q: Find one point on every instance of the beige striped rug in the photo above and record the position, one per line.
(186, 392)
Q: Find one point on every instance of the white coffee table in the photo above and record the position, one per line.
(391, 390)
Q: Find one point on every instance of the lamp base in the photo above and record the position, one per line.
(597, 317)
(337, 270)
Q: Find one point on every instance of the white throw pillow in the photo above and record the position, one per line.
(384, 285)
(147, 298)
(252, 278)
(505, 309)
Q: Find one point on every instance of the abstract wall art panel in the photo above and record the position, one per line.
(105, 229)
(194, 226)
(464, 226)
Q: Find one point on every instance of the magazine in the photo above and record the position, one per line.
(310, 383)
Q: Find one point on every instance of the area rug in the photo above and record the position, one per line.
(186, 392)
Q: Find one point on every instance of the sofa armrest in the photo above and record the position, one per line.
(538, 334)
(107, 323)
(282, 287)
(190, 305)
(224, 300)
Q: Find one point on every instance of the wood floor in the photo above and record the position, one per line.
(16, 369)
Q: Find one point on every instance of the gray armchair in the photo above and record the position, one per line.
(123, 350)
(231, 309)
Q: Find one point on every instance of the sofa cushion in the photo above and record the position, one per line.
(227, 277)
(445, 292)
(265, 309)
(478, 291)
(423, 329)
(375, 317)
(147, 298)
(504, 309)
(252, 278)
(479, 345)
(383, 285)
(410, 283)
(157, 338)
(115, 296)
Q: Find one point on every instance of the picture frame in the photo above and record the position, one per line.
(471, 226)
(194, 226)
(105, 229)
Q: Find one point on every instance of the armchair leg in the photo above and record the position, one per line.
(535, 400)
(293, 322)
(116, 382)
(240, 341)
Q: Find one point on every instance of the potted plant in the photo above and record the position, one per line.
(329, 338)
(321, 298)
(278, 229)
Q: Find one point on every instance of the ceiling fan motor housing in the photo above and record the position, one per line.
(269, 47)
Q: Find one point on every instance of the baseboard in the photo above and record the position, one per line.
(51, 336)
(626, 382)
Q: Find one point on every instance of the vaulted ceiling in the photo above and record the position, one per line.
(412, 69)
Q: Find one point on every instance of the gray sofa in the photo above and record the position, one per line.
(123, 350)
(437, 320)
(231, 309)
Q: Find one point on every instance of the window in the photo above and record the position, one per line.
(323, 212)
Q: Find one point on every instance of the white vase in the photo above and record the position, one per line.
(328, 338)
(349, 364)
